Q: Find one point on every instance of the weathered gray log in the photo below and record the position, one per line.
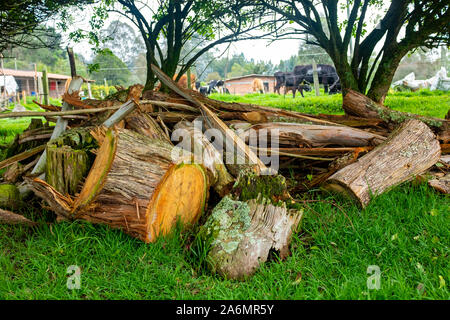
(409, 151)
(204, 152)
(242, 234)
(145, 125)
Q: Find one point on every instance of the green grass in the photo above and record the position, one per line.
(424, 102)
(405, 232)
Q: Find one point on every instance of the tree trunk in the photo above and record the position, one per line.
(359, 105)
(134, 184)
(409, 151)
(385, 73)
(204, 153)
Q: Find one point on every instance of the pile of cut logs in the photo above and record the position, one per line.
(149, 161)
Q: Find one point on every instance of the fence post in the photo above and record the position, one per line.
(316, 78)
(45, 87)
(188, 74)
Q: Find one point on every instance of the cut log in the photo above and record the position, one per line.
(304, 135)
(357, 104)
(204, 152)
(242, 234)
(8, 217)
(409, 151)
(134, 184)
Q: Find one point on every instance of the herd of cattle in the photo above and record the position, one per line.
(299, 80)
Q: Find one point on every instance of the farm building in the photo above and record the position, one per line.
(244, 84)
(31, 82)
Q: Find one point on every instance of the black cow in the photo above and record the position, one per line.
(290, 82)
(279, 81)
(327, 74)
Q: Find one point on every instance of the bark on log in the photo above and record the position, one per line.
(204, 152)
(357, 104)
(242, 234)
(408, 152)
(304, 135)
(134, 184)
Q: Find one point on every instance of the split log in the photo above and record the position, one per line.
(134, 184)
(357, 104)
(8, 217)
(229, 140)
(242, 234)
(145, 125)
(296, 134)
(204, 152)
(409, 151)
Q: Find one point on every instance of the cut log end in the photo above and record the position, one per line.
(409, 151)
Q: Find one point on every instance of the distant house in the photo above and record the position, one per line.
(244, 84)
(31, 82)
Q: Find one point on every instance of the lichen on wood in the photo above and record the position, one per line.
(241, 235)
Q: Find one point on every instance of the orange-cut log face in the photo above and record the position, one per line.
(181, 195)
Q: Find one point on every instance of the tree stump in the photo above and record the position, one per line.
(66, 168)
(409, 151)
(68, 162)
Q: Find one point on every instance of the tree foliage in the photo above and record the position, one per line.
(167, 26)
(22, 22)
(111, 68)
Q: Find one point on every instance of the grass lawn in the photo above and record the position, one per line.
(404, 233)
